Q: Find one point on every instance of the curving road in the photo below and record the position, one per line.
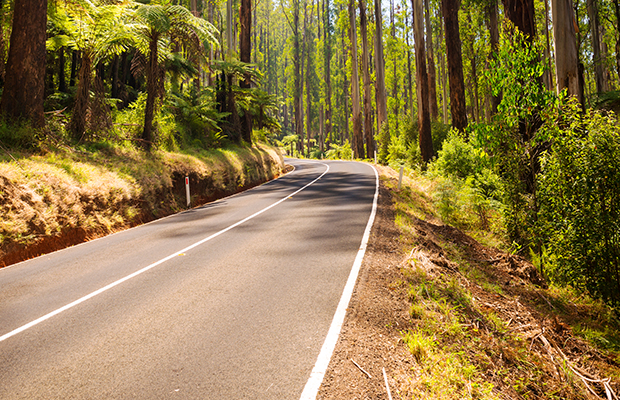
(231, 300)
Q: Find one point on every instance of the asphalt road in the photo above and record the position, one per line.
(217, 302)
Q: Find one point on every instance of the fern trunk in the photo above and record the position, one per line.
(77, 126)
(151, 94)
(245, 54)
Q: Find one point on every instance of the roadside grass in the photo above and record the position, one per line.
(480, 329)
(100, 188)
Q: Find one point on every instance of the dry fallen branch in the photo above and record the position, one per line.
(610, 394)
(361, 369)
(387, 385)
(56, 112)
(517, 328)
(545, 299)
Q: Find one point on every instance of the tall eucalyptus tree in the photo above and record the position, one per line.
(424, 120)
(432, 75)
(368, 136)
(450, 11)
(357, 142)
(566, 55)
(245, 53)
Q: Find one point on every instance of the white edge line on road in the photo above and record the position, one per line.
(311, 389)
(163, 260)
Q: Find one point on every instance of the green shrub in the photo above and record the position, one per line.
(19, 135)
(579, 193)
(337, 152)
(457, 158)
(440, 132)
(404, 148)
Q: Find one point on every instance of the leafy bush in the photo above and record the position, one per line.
(467, 189)
(579, 192)
(440, 132)
(457, 158)
(404, 148)
(19, 135)
(337, 152)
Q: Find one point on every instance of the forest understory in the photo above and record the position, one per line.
(438, 315)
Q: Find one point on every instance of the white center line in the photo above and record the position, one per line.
(153, 265)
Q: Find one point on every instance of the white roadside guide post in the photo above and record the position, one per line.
(187, 190)
(375, 156)
(400, 176)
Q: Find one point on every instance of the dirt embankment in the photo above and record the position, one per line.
(48, 202)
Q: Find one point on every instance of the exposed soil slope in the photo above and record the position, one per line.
(50, 201)
(448, 318)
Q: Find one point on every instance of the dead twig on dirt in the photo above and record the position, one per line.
(361, 369)
(545, 299)
(551, 349)
(387, 385)
(516, 328)
(13, 158)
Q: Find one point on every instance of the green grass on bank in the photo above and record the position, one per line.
(102, 188)
(479, 330)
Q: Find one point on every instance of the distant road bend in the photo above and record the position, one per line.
(231, 300)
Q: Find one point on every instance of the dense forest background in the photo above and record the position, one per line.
(511, 104)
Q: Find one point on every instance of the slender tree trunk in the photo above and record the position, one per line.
(432, 75)
(450, 10)
(210, 17)
(368, 136)
(297, 79)
(307, 70)
(475, 106)
(116, 77)
(380, 93)
(345, 97)
(24, 87)
(302, 80)
(77, 125)
(358, 140)
(229, 29)
(598, 59)
(74, 62)
(548, 75)
(424, 119)
(566, 56)
(151, 93)
(617, 13)
(327, 54)
(62, 81)
(245, 54)
(494, 36)
(444, 79)
(2, 46)
(395, 55)
(255, 34)
(409, 76)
